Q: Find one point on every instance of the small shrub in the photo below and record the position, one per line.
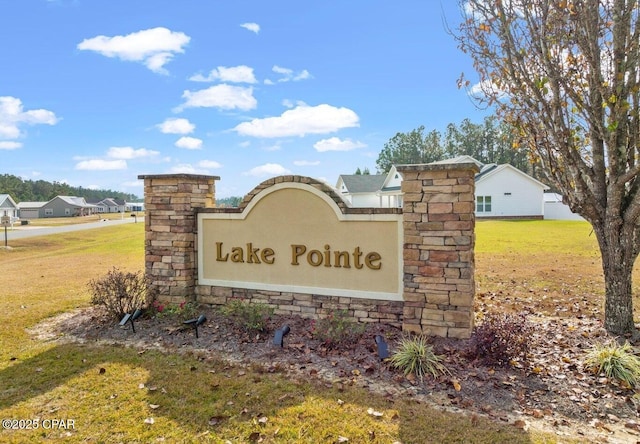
(336, 328)
(120, 292)
(503, 338)
(183, 311)
(250, 316)
(615, 361)
(415, 356)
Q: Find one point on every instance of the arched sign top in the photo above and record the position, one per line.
(321, 189)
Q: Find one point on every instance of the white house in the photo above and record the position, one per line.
(502, 191)
(8, 207)
(360, 189)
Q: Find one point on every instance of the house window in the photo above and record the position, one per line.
(483, 204)
(67, 211)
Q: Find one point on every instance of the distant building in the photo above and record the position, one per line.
(8, 207)
(502, 191)
(59, 206)
(360, 189)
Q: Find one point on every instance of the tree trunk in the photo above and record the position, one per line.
(616, 246)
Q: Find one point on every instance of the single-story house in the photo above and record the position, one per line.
(8, 207)
(110, 205)
(59, 206)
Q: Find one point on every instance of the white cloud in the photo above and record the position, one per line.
(244, 144)
(126, 152)
(176, 126)
(234, 74)
(274, 147)
(221, 96)
(6, 145)
(12, 115)
(209, 164)
(289, 75)
(253, 27)
(300, 121)
(306, 162)
(336, 144)
(154, 47)
(187, 168)
(189, 143)
(268, 169)
(101, 165)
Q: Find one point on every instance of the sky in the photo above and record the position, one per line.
(94, 93)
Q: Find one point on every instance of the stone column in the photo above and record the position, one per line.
(439, 239)
(171, 201)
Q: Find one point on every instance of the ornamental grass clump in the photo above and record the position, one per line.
(415, 356)
(614, 361)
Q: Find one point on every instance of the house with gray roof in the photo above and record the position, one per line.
(30, 210)
(59, 206)
(360, 189)
(8, 207)
(110, 205)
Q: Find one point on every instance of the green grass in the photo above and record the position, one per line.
(110, 391)
(523, 237)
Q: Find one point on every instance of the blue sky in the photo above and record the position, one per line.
(96, 92)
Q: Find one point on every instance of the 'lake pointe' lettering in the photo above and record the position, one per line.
(300, 254)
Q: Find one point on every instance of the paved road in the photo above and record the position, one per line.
(22, 231)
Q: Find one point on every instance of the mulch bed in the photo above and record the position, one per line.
(553, 392)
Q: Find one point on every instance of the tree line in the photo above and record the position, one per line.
(491, 141)
(22, 190)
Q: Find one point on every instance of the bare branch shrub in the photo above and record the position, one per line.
(121, 292)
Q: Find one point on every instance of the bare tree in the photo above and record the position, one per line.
(566, 74)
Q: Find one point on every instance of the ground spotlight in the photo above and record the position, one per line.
(196, 322)
(383, 348)
(278, 339)
(130, 317)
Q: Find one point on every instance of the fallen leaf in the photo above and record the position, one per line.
(340, 402)
(153, 406)
(149, 421)
(263, 420)
(343, 439)
(215, 420)
(456, 384)
(374, 413)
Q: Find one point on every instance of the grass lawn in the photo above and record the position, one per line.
(123, 394)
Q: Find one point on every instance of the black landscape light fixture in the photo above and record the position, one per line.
(196, 322)
(383, 348)
(130, 317)
(278, 339)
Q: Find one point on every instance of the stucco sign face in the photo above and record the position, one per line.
(294, 238)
